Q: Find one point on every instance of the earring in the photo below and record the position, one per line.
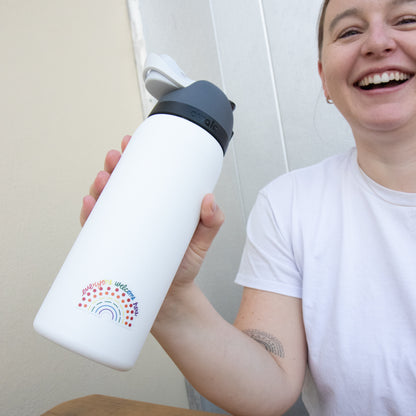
(329, 101)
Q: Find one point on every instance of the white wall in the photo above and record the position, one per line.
(68, 93)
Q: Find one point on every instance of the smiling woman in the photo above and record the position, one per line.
(328, 265)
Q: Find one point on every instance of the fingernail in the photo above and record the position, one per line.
(213, 207)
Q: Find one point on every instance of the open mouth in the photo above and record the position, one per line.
(383, 80)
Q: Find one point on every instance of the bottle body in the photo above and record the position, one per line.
(109, 290)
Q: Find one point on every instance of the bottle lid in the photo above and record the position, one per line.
(203, 104)
(200, 102)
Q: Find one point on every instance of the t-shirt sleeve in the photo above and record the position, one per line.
(268, 261)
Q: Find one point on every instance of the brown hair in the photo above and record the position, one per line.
(321, 26)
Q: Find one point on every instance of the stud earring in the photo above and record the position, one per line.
(329, 101)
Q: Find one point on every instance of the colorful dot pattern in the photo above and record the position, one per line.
(109, 302)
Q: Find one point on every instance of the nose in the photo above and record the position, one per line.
(379, 41)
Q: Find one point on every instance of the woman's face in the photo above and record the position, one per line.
(368, 62)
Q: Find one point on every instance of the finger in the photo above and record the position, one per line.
(111, 160)
(87, 205)
(99, 184)
(125, 142)
(211, 221)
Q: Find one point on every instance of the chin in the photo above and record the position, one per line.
(385, 120)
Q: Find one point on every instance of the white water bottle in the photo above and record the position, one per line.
(109, 290)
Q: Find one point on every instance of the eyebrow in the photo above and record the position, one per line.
(347, 13)
(355, 12)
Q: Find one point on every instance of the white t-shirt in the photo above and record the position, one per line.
(347, 246)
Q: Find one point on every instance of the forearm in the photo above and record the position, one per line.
(221, 362)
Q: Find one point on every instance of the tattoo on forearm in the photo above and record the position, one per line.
(269, 342)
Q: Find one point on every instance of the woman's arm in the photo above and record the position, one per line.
(253, 368)
(256, 367)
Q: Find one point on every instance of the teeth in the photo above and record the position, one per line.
(383, 78)
(377, 79)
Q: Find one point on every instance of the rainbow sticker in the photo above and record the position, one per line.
(110, 300)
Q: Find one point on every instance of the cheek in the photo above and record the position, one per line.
(329, 81)
(335, 76)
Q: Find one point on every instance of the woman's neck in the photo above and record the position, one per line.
(389, 159)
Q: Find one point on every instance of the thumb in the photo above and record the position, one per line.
(211, 221)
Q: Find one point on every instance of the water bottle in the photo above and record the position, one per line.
(109, 290)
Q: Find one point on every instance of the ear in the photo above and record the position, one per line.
(322, 75)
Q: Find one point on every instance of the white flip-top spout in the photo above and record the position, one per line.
(162, 75)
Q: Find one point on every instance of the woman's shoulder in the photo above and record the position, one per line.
(313, 178)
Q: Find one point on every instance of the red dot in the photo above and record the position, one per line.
(127, 311)
(79, 304)
(88, 294)
(131, 305)
(125, 323)
(95, 296)
(100, 288)
(117, 289)
(125, 306)
(109, 288)
(129, 324)
(94, 290)
(118, 296)
(106, 293)
(128, 300)
(123, 294)
(112, 294)
(83, 298)
(89, 300)
(85, 305)
(131, 318)
(101, 293)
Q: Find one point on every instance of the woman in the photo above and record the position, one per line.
(329, 262)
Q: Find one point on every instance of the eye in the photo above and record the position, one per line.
(406, 20)
(348, 33)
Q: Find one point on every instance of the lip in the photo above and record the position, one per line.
(384, 91)
(387, 89)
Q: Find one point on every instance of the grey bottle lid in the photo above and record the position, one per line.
(203, 104)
